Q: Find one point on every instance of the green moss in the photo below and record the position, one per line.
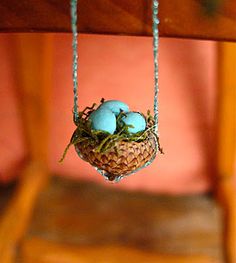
(103, 141)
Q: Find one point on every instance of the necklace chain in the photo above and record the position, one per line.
(155, 55)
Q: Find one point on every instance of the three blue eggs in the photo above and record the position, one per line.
(104, 118)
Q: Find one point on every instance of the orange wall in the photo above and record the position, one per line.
(121, 68)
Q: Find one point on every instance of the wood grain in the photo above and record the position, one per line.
(199, 19)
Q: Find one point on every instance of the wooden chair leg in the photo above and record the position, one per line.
(226, 144)
(34, 63)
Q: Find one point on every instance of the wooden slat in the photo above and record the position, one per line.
(78, 213)
(15, 220)
(42, 251)
(226, 109)
(33, 58)
(209, 19)
(226, 144)
(33, 65)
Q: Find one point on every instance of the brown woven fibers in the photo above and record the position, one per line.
(123, 158)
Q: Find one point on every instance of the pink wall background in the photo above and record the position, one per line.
(117, 67)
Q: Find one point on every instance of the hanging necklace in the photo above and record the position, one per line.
(116, 141)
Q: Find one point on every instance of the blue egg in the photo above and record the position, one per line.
(103, 119)
(135, 119)
(115, 106)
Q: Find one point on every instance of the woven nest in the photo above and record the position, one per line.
(118, 154)
(122, 159)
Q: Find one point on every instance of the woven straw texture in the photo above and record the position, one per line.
(121, 159)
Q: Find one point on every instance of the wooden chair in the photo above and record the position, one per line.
(212, 20)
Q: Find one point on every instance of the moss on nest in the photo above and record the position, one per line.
(103, 141)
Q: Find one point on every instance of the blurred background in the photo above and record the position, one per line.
(118, 67)
(180, 209)
(164, 213)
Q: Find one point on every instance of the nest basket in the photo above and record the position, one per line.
(123, 158)
(116, 155)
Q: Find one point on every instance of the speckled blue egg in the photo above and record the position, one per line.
(115, 106)
(135, 119)
(103, 119)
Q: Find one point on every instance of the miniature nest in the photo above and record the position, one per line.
(117, 154)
